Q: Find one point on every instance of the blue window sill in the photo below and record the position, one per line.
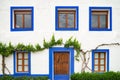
(22, 74)
(100, 29)
(66, 29)
(22, 29)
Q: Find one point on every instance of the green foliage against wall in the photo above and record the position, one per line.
(7, 49)
(7, 77)
(75, 44)
(96, 76)
(52, 42)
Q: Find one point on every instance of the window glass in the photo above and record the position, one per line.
(71, 20)
(103, 21)
(96, 61)
(62, 19)
(19, 68)
(19, 55)
(25, 68)
(19, 62)
(19, 21)
(94, 21)
(26, 62)
(102, 55)
(102, 68)
(101, 61)
(96, 55)
(27, 21)
(96, 68)
(25, 55)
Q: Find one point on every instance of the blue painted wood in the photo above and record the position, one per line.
(61, 77)
(51, 63)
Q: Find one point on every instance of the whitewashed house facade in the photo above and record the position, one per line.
(91, 22)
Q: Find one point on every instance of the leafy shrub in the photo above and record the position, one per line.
(96, 76)
(6, 77)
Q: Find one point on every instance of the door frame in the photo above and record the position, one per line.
(51, 60)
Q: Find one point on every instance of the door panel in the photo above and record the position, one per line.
(61, 65)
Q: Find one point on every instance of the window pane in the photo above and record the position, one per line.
(19, 55)
(19, 21)
(25, 68)
(62, 20)
(101, 61)
(19, 62)
(27, 21)
(101, 67)
(19, 68)
(26, 55)
(96, 68)
(103, 21)
(96, 61)
(26, 62)
(102, 55)
(71, 20)
(96, 55)
(94, 21)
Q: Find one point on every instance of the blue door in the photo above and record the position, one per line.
(61, 65)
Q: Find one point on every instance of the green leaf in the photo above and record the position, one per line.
(45, 44)
(20, 46)
(59, 42)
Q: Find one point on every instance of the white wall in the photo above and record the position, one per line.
(40, 62)
(44, 27)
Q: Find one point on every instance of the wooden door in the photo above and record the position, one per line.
(61, 65)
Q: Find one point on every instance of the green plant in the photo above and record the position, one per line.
(96, 76)
(7, 77)
(6, 50)
(31, 78)
(75, 44)
(52, 42)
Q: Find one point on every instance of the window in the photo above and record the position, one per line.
(100, 18)
(21, 18)
(66, 18)
(100, 60)
(22, 62)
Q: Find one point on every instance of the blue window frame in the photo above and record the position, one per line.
(100, 18)
(52, 51)
(100, 60)
(22, 63)
(66, 18)
(22, 18)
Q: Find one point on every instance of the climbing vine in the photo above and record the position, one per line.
(75, 44)
(8, 49)
(85, 60)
